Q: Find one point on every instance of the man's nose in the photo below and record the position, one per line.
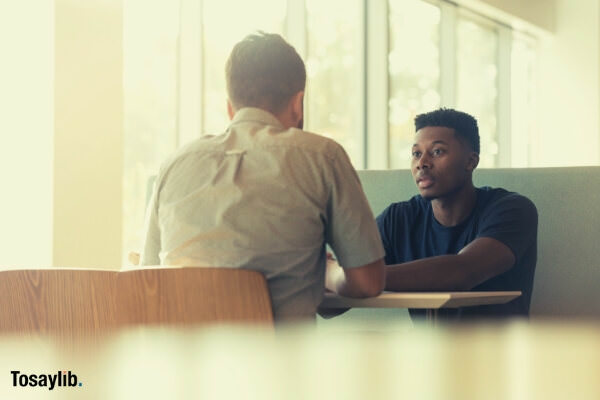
(424, 162)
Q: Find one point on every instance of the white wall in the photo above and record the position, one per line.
(569, 88)
(88, 133)
(26, 119)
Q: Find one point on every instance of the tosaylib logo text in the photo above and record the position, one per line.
(59, 379)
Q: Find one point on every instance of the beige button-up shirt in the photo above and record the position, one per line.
(266, 198)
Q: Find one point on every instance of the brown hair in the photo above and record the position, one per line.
(264, 71)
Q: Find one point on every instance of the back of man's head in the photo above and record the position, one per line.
(264, 71)
(464, 125)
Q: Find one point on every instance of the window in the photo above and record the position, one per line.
(523, 104)
(222, 30)
(371, 67)
(414, 72)
(334, 93)
(150, 103)
(477, 82)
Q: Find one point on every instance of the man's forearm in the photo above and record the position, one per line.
(480, 260)
(433, 273)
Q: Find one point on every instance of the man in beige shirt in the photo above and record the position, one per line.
(266, 195)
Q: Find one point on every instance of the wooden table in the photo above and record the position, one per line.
(430, 301)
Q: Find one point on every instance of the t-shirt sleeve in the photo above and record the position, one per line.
(512, 220)
(385, 223)
(350, 231)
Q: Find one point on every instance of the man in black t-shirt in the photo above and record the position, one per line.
(453, 236)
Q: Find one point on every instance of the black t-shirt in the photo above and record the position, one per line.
(410, 232)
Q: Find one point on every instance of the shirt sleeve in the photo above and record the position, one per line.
(512, 220)
(385, 223)
(151, 246)
(350, 230)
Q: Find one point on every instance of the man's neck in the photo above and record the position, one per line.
(453, 209)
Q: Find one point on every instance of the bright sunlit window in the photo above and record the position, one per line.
(335, 73)
(523, 102)
(150, 103)
(414, 72)
(222, 29)
(477, 82)
(435, 54)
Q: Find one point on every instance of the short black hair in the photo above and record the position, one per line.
(464, 125)
(264, 71)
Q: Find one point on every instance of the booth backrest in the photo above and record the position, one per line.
(567, 278)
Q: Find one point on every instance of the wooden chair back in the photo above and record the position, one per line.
(66, 302)
(74, 304)
(192, 296)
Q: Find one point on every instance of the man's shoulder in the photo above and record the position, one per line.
(189, 150)
(499, 198)
(311, 142)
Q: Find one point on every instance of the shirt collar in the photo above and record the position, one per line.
(252, 114)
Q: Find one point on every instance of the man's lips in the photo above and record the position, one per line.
(425, 181)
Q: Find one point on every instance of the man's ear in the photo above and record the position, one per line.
(473, 161)
(297, 108)
(230, 109)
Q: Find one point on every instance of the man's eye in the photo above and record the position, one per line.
(416, 154)
(437, 152)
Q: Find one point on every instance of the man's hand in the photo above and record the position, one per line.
(364, 281)
(332, 272)
(331, 267)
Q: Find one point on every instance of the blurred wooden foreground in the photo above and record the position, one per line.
(559, 360)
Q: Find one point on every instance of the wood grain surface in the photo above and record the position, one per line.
(188, 296)
(76, 303)
(67, 302)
